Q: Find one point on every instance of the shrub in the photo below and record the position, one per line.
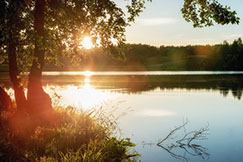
(71, 135)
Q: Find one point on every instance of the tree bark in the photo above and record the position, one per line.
(38, 100)
(13, 68)
(14, 74)
(5, 100)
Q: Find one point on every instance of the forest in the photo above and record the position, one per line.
(141, 57)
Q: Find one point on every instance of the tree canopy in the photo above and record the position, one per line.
(204, 13)
(67, 22)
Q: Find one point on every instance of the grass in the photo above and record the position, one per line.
(69, 135)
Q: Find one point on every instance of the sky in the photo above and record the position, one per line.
(162, 24)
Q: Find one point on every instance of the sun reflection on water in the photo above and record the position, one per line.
(83, 95)
(88, 73)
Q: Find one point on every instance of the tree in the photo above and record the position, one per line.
(11, 26)
(203, 13)
(36, 31)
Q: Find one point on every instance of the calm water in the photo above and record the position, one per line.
(89, 73)
(157, 102)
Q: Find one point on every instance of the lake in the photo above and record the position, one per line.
(151, 105)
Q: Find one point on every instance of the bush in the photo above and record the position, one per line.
(70, 136)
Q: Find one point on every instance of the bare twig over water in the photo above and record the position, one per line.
(186, 143)
(174, 155)
(173, 132)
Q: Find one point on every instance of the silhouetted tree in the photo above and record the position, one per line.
(35, 31)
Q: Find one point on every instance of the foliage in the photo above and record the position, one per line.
(223, 57)
(204, 12)
(71, 136)
(141, 57)
(67, 22)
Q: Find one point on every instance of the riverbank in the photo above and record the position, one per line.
(71, 135)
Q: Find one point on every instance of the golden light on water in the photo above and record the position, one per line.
(81, 96)
(88, 73)
(86, 80)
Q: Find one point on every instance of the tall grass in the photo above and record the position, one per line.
(67, 135)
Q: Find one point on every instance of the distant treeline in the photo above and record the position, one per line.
(223, 57)
(141, 57)
(217, 57)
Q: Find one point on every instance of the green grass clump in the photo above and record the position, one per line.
(70, 135)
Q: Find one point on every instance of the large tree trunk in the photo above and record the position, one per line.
(38, 100)
(14, 76)
(5, 101)
(13, 68)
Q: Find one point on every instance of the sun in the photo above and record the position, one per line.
(86, 43)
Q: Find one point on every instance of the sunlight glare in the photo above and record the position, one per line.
(86, 43)
(81, 96)
(86, 80)
(87, 96)
(88, 73)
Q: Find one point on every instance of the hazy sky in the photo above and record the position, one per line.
(162, 24)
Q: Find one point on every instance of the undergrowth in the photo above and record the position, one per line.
(69, 135)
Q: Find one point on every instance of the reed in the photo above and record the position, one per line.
(70, 135)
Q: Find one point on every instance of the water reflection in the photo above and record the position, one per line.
(83, 95)
(137, 84)
(156, 113)
(182, 144)
(88, 73)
